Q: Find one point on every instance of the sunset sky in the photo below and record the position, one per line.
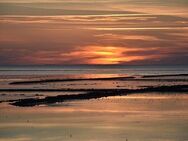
(130, 32)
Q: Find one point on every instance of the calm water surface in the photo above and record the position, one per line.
(137, 117)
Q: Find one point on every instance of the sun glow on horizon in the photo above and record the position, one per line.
(108, 54)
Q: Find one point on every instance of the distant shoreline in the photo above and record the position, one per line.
(109, 78)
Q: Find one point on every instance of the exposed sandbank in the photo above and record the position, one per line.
(93, 94)
(130, 78)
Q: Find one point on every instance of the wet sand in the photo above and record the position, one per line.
(138, 117)
(94, 109)
(93, 94)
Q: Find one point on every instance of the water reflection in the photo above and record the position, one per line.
(136, 117)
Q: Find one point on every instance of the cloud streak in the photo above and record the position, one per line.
(35, 33)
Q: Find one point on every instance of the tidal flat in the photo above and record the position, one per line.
(99, 108)
(138, 117)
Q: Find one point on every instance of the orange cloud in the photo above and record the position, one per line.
(91, 55)
(104, 54)
(126, 37)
